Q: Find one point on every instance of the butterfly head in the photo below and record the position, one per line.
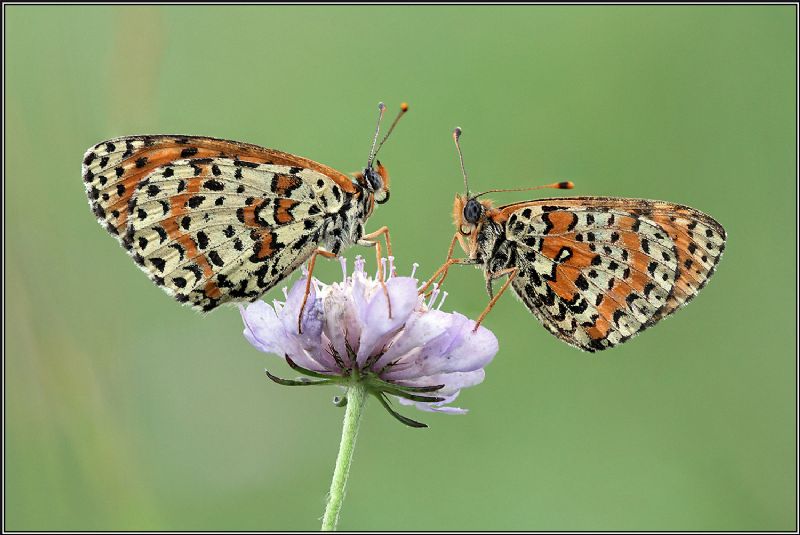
(376, 178)
(470, 214)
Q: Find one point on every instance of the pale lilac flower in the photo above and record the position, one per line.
(420, 355)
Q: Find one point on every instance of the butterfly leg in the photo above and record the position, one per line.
(372, 237)
(512, 273)
(369, 240)
(449, 261)
(311, 261)
(445, 267)
(450, 257)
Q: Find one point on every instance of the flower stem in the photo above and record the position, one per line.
(356, 396)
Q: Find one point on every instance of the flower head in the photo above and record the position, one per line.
(385, 335)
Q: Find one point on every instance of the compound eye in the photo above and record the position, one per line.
(472, 211)
(373, 179)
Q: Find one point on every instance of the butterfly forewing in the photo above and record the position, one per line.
(113, 169)
(211, 220)
(596, 271)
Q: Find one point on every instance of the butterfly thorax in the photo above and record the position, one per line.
(492, 250)
(345, 221)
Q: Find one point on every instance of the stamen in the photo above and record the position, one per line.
(434, 294)
(343, 262)
(383, 266)
(391, 267)
(414, 267)
(444, 296)
(359, 265)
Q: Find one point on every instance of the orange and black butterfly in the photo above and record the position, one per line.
(214, 221)
(595, 271)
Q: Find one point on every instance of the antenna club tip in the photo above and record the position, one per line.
(404, 107)
(381, 106)
(566, 185)
(457, 132)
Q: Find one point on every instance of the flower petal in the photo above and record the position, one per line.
(378, 326)
(423, 328)
(429, 358)
(466, 351)
(475, 351)
(342, 324)
(263, 329)
(310, 338)
(453, 382)
(291, 310)
(439, 406)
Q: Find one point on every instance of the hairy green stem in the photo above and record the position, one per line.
(356, 396)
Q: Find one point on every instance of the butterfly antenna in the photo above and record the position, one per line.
(456, 136)
(381, 109)
(555, 185)
(403, 110)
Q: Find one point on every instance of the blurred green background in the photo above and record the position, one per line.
(126, 411)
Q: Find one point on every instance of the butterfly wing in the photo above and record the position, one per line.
(596, 271)
(209, 220)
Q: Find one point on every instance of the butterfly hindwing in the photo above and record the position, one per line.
(699, 240)
(211, 221)
(596, 271)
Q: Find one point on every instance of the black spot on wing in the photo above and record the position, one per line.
(574, 221)
(216, 259)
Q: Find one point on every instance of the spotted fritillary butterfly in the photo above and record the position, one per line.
(214, 221)
(594, 271)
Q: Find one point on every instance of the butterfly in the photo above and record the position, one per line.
(213, 221)
(595, 271)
